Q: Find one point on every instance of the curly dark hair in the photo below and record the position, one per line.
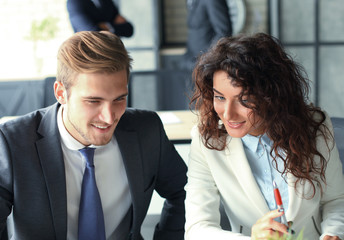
(277, 88)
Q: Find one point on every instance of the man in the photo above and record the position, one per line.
(96, 15)
(42, 163)
(207, 22)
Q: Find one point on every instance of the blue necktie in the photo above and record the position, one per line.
(91, 218)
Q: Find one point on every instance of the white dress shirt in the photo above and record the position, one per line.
(111, 177)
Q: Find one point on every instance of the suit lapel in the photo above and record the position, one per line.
(51, 158)
(237, 159)
(128, 143)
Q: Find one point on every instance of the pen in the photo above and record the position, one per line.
(279, 203)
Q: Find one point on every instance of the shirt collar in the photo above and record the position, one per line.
(251, 142)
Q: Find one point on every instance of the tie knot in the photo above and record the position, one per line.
(88, 154)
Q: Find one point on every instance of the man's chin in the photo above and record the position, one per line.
(100, 142)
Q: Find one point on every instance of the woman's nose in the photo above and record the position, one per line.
(230, 111)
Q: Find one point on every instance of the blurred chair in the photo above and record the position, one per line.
(158, 90)
(338, 127)
(20, 96)
(48, 91)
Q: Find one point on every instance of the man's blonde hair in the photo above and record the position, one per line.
(91, 52)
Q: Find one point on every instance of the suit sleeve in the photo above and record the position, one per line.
(83, 15)
(203, 198)
(333, 197)
(6, 194)
(219, 18)
(170, 185)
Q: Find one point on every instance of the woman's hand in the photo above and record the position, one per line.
(119, 20)
(266, 227)
(103, 26)
(327, 237)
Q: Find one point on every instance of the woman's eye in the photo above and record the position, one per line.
(219, 98)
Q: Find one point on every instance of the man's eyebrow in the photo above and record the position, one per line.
(123, 95)
(100, 98)
(93, 98)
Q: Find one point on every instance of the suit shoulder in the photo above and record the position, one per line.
(139, 119)
(139, 115)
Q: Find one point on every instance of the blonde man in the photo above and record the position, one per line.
(42, 169)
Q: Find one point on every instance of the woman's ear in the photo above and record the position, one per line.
(60, 92)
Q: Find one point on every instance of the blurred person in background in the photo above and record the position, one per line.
(96, 15)
(207, 22)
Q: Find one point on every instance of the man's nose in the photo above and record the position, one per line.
(107, 114)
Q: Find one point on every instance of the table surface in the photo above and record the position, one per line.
(177, 124)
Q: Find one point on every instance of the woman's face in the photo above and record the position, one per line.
(237, 119)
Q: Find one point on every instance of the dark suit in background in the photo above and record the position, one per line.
(207, 21)
(32, 175)
(86, 15)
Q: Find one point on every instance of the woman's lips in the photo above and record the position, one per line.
(235, 125)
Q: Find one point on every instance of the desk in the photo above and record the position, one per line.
(4, 119)
(178, 124)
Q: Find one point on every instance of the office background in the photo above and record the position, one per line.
(32, 31)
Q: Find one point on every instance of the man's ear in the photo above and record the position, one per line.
(60, 92)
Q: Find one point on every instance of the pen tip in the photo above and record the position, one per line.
(274, 184)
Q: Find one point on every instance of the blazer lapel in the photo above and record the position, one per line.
(128, 143)
(51, 158)
(295, 196)
(236, 157)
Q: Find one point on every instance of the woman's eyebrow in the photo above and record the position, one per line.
(217, 91)
(237, 96)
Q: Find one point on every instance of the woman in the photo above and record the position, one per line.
(256, 127)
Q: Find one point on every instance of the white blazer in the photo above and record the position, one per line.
(226, 175)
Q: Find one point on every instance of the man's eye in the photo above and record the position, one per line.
(121, 99)
(93, 101)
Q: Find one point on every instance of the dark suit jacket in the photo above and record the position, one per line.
(207, 21)
(84, 15)
(32, 174)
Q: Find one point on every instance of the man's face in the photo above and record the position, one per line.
(94, 105)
